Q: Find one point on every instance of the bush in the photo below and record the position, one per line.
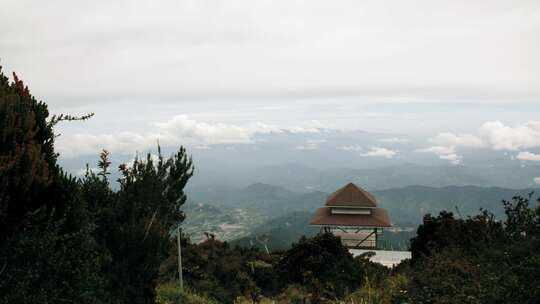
(223, 272)
(381, 285)
(323, 265)
(135, 222)
(170, 293)
(48, 252)
(478, 259)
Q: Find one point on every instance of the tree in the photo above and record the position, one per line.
(478, 259)
(47, 250)
(27, 158)
(323, 265)
(135, 223)
(64, 239)
(445, 231)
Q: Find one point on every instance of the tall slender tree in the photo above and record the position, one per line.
(136, 222)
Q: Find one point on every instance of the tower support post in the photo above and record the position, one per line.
(180, 277)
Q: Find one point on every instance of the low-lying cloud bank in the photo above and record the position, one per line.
(380, 152)
(492, 134)
(180, 130)
(183, 130)
(528, 156)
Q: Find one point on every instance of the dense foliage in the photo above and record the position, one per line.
(64, 239)
(47, 249)
(215, 270)
(224, 272)
(135, 222)
(454, 260)
(478, 259)
(321, 264)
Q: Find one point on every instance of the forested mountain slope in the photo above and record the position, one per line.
(283, 215)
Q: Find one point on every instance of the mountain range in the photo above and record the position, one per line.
(262, 213)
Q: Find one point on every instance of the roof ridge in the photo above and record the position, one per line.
(351, 195)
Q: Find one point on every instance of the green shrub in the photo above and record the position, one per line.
(223, 272)
(322, 265)
(478, 259)
(48, 253)
(170, 293)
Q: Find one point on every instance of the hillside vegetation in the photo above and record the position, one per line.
(476, 259)
(302, 178)
(406, 205)
(272, 215)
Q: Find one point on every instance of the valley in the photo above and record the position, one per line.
(265, 214)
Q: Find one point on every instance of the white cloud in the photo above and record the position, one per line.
(502, 137)
(141, 158)
(313, 126)
(453, 158)
(438, 150)
(310, 144)
(316, 141)
(447, 144)
(179, 130)
(85, 144)
(306, 147)
(263, 128)
(528, 156)
(537, 180)
(443, 152)
(201, 147)
(380, 152)
(350, 148)
(303, 130)
(395, 140)
(183, 129)
(496, 135)
(448, 139)
(493, 134)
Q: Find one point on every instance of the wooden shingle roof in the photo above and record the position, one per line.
(351, 196)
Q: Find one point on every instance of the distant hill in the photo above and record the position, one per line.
(300, 178)
(279, 234)
(281, 216)
(223, 222)
(269, 200)
(406, 205)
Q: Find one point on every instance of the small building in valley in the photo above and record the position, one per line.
(352, 214)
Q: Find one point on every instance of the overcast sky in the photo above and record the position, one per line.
(422, 67)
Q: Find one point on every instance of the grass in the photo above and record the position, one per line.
(170, 293)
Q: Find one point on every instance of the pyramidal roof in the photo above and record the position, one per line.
(351, 196)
